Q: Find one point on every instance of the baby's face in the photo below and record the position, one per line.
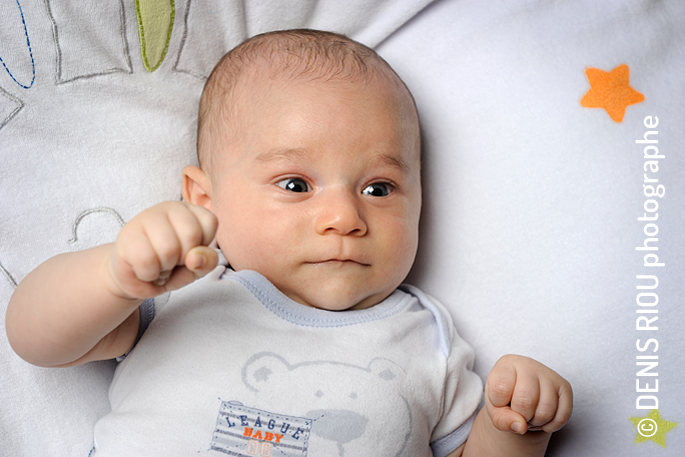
(320, 192)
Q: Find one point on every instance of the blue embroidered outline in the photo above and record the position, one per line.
(28, 43)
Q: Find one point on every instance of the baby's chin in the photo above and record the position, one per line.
(337, 299)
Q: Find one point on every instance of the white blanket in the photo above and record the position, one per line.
(532, 195)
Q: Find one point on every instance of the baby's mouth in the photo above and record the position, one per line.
(338, 262)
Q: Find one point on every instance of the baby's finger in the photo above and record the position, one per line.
(198, 262)
(526, 395)
(208, 223)
(499, 387)
(546, 407)
(163, 238)
(506, 420)
(564, 408)
(201, 260)
(187, 226)
(179, 277)
(139, 255)
(163, 278)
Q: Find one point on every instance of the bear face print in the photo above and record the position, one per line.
(323, 407)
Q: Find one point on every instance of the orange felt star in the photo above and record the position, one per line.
(611, 91)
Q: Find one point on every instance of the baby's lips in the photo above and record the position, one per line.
(358, 259)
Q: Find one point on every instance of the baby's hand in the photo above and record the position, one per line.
(522, 394)
(163, 248)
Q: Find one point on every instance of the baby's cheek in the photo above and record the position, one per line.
(234, 247)
(403, 246)
(251, 251)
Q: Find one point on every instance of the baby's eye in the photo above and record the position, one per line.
(378, 189)
(294, 185)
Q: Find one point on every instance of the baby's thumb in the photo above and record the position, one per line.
(200, 260)
(508, 420)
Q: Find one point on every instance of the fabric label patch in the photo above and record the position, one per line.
(244, 431)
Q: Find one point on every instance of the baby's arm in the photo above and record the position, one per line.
(520, 394)
(83, 306)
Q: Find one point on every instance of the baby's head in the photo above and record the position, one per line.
(309, 150)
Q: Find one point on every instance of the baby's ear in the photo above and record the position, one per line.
(197, 188)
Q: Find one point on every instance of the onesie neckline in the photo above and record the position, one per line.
(296, 313)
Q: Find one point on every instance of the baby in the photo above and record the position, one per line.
(301, 340)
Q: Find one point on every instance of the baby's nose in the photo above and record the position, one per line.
(340, 213)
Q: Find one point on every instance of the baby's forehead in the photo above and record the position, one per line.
(264, 87)
(251, 72)
(267, 77)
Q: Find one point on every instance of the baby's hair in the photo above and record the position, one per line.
(290, 54)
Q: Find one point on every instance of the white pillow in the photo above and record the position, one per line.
(531, 200)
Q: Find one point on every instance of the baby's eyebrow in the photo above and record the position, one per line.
(280, 154)
(388, 159)
(395, 162)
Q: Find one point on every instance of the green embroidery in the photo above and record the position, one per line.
(155, 22)
(652, 427)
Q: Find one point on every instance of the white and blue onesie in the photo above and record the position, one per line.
(231, 366)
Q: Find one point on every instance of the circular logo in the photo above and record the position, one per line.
(647, 427)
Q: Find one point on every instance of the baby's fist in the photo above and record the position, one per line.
(163, 248)
(522, 394)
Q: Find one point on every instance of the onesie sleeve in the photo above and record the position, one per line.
(462, 389)
(147, 313)
(462, 393)
(147, 310)
(462, 399)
